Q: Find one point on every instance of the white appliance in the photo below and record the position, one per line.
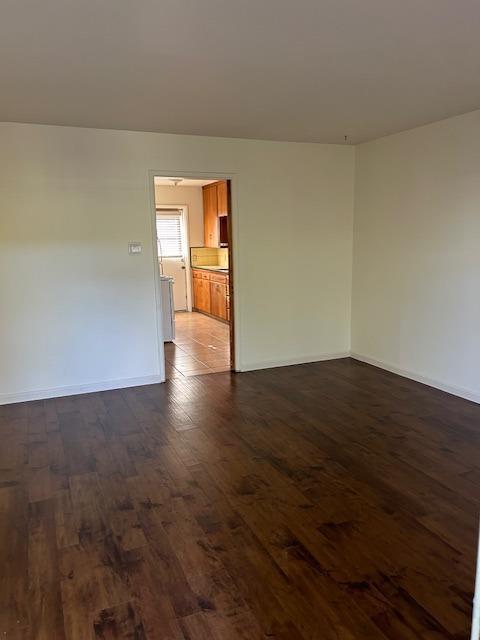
(167, 308)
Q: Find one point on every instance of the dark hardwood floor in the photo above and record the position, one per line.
(322, 501)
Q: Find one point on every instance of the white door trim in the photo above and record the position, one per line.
(156, 279)
(183, 208)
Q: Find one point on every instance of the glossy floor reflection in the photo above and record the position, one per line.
(323, 501)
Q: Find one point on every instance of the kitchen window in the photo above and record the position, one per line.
(169, 235)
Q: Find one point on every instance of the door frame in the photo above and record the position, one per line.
(234, 261)
(183, 208)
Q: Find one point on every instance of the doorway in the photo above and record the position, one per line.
(194, 246)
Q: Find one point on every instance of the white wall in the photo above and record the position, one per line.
(77, 309)
(416, 292)
(193, 198)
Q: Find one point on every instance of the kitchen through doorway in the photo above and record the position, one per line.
(194, 249)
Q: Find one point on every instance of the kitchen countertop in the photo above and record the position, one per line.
(215, 267)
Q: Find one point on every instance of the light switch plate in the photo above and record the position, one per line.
(134, 247)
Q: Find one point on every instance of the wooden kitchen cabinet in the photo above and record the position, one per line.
(211, 293)
(210, 216)
(218, 300)
(222, 198)
(215, 206)
(201, 293)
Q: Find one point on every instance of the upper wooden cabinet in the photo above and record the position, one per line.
(222, 198)
(215, 206)
(210, 216)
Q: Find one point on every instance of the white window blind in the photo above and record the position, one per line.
(169, 236)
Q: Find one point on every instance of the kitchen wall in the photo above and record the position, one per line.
(416, 291)
(78, 312)
(201, 256)
(193, 198)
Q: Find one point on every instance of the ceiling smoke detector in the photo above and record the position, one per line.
(176, 181)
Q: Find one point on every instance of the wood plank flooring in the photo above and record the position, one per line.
(201, 345)
(325, 501)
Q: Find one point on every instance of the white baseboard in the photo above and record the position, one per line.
(271, 364)
(58, 392)
(462, 392)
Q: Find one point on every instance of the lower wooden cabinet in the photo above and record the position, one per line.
(211, 293)
(201, 294)
(218, 300)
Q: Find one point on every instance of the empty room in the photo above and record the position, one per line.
(239, 320)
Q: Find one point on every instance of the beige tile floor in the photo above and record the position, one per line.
(201, 345)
